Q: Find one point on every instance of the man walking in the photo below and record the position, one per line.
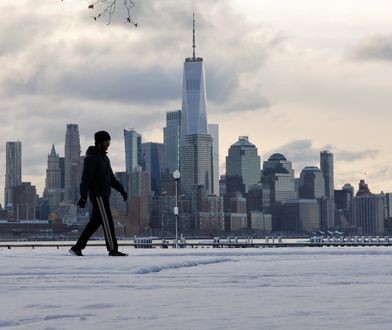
(97, 181)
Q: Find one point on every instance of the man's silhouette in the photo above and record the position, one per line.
(97, 181)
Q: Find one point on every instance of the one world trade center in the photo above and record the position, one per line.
(194, 112)
(196, 143)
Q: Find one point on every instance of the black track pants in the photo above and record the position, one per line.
(101, 215)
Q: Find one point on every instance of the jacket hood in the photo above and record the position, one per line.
(94, 151)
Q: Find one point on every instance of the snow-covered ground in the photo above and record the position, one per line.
(281, 288)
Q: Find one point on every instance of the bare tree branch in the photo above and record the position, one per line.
(105, 9)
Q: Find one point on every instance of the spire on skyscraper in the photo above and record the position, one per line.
(194, 38)
(53, 151)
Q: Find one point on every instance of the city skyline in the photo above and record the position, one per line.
(346, 98)
(263, 169)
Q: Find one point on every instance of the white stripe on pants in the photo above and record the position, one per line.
(105, 223)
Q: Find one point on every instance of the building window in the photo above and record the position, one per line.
(192, 84)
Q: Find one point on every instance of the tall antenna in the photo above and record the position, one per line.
(194, 38)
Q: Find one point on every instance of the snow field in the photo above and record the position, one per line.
(282, 288)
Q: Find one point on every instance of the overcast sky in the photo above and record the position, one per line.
(297, 77)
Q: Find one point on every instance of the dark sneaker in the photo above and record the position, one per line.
(75, 251)
(115, 253)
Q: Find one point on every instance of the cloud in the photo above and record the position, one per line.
(349, 156)
(61, 67)
(303, 153)
(73, 58)
(300, 152)
(121, 84)
(372, 48)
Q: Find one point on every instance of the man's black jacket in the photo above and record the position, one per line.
(97, 176)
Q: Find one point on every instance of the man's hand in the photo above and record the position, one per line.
(82, 203)
(124, 196)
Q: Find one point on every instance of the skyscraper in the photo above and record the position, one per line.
(312, 186)
(209, 219)
(171, 139)
(13, 169)
(194, 100)
(311, 183)
(52, 180)
(139, 219)
(72, 163)
(132, 142)
(116, 200)
(327, 212)
(348, 187)
(343, 199)
(388, 205)
(24, 198)
(299, 216)
(196, 163)
(258, 199)
(278, 175)
(244, 161)
(196, 145)
(53, 191)
(62, 172)
(153, 162)
(367, 211)
(326, 166)
(213, 129)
